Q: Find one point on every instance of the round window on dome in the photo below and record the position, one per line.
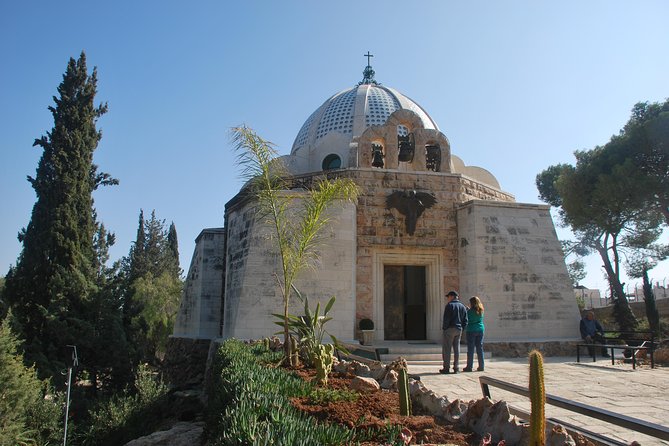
(332, 161)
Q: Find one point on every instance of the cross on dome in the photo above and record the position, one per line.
(368, 73)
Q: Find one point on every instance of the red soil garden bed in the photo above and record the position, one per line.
(377, 410)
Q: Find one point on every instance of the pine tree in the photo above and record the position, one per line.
(54, 277)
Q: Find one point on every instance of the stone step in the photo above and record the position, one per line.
(415, 352)
(425, 358)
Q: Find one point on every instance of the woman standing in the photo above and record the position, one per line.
(475, 331)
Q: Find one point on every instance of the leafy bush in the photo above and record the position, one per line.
(249, 404)
(323, 395)
(27, 417)
(130, 415)
(310, 329)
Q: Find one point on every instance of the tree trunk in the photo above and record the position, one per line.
(621, 310)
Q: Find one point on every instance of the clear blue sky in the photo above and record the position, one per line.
(516, 86)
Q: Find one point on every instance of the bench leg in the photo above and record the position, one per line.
(652, 360)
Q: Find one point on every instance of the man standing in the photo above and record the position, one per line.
(455, 320)
(591, 332)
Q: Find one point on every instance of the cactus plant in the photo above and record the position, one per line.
(323, 361)
(403, 390)
(538, 400)
(294, 353)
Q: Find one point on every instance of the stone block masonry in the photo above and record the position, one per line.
(511, 258)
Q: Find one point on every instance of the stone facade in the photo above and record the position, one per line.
(199, 313)
(252, 294)
(424, 223)
(510, 257)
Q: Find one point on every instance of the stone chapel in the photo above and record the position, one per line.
(425, 223)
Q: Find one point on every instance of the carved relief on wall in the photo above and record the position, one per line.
(411, 204)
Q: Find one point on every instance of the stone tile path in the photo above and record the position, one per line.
(642, 393)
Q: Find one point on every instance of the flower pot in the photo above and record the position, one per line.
(367, 337)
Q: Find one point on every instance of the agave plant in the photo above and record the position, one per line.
(309, 328)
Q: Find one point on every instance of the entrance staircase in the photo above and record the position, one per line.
(415, 352)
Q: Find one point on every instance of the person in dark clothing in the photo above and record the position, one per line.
(591, 332)
(455, 320)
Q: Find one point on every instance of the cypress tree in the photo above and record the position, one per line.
(174, 246)
(152, 289)
(54, 277)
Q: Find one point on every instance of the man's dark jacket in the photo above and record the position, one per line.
(455, 315)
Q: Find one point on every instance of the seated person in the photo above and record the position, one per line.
(591, 332)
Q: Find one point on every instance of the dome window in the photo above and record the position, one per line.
(332, 161)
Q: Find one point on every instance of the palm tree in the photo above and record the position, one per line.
(298, 218)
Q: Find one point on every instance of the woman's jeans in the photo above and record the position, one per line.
(475, 341)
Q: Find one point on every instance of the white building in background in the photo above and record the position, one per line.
(636, 294)
(591, 298)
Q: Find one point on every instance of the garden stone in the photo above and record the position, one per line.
(454, 411)
(364, 384)
(483, 416)
(427, 399)
(390, 380)
(377, 370)
(361, 369)
(559, 436)
(181, 434)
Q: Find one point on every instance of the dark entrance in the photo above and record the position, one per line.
(404, 302)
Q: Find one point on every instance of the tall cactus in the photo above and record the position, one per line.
(538, 400)
(403, 390)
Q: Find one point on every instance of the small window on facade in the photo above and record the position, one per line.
(331, 161)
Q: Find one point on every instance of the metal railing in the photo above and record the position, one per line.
(635, 424)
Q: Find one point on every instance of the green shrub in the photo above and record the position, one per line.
(128, 416)
(249, 404)
(26, 416)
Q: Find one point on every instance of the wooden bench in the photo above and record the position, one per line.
(644, 339)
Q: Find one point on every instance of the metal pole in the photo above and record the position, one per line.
(73, 364)
(67, 404)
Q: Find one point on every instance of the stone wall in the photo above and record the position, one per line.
(199, 314)
(511, 258)
(185, 362)
(638, 308)
(252, 294)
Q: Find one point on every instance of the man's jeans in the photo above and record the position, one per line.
(451, 339)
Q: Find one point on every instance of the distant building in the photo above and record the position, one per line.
(425, 223)
(590, 298)
(636, 294)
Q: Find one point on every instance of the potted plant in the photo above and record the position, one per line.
(367, 329)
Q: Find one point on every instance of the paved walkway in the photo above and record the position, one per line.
(641, 393)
